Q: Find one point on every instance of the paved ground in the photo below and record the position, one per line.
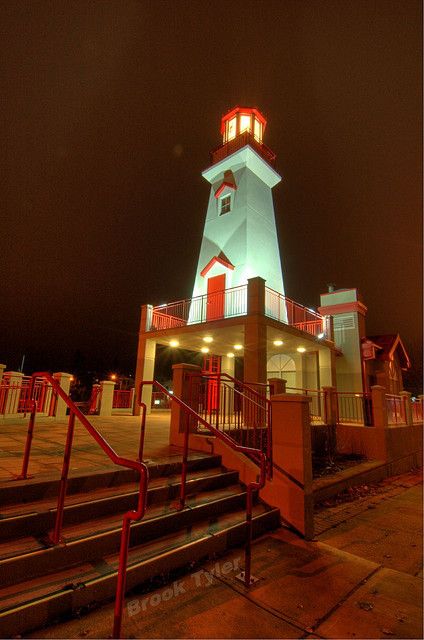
(122, 433)
(360, 578)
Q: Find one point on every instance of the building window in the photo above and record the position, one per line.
(225, 205)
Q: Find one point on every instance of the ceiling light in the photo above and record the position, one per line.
(230, 354)
(174, 343)
(301, 349)
(237, 347)
(207, 339)
(320, 336)
(204, 349)
(278, 343)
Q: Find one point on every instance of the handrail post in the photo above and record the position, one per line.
(30, 433)
(55, 538)
(142, 431)
(120, 588)
(248, 549)
(184, 464)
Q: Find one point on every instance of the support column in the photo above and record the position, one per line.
(379, 409)
(2, 368)
(146, 354)
(107, 387)
(291, 487)
(406, 399)
(64, 380)
(327, 367)
(185, 384)
(330, 409)
(255, 332)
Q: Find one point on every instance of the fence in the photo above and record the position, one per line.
(396, 412)
(417, 411)
(316, 406)
(354, 408)
(15, 395)
(123, 399)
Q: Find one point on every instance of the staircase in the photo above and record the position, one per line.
(41, 583)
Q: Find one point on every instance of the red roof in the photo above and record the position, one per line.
(390, 344)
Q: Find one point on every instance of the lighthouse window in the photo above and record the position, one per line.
(231, 129)
(257, 130)
(225, 205)
(245, 124)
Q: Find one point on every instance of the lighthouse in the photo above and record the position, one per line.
(240, 236)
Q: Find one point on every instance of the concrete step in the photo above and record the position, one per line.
(34, 603)
(93, 539)
(38, 518)
(33, 489)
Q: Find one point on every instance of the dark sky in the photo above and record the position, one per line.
(109, 110)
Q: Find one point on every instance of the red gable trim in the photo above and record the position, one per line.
(221, 260)
(222, 187)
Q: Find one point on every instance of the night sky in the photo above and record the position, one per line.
(109, 110)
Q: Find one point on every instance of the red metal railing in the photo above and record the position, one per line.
(123, 398)
(15, 396)
(214, 306)
(243, 139)
(396, 410)
(95, 398)
(417, 411)
(252, 453)
(354, 408)
(136, 465)
(234, 408)
(283, 309)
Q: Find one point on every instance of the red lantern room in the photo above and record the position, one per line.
(240, 120)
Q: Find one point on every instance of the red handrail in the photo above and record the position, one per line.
(260, 399)
(248, 451)
(137, 465)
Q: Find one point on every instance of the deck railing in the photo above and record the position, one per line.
(317, 404)
(243, 139)
(281, 308)
(215, 306)
(231, 303)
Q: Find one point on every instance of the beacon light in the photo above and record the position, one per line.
(173, 343)
(301, 349)
(230, 354)
(237, 347)
(278, 343)
(204, 349)
(208, 339)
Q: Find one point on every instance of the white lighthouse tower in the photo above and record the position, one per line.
(239, 238)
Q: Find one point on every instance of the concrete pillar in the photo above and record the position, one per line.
(14, 388)
(291, 487)
(185, 384)
(107, 387)
(64, 380)
(255, 332)
(2, 368)
(329, 408)
(146, 354)
(379, 408)
(277, 386)
(406, 399)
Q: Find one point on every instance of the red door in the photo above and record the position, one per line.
(212, 365)
(216, 298)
